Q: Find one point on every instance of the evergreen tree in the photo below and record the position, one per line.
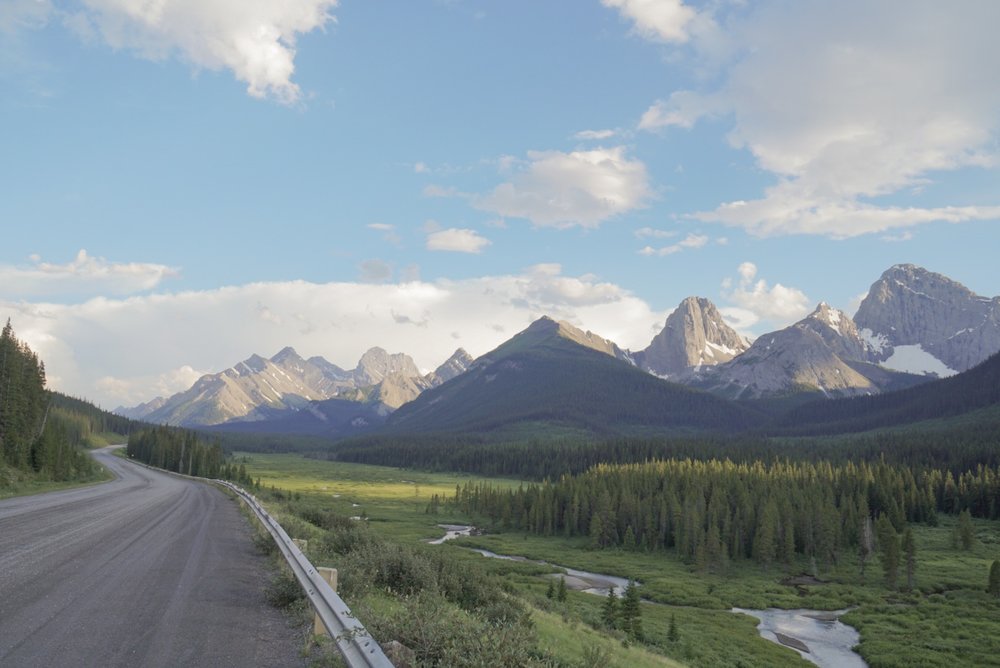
(910, 558)
(609, 611)
(966, 533)
(765, 545)
(629, 541)
(673, 635)
(866, 543)
(993, 586)
(888, 545)
(551, 591)
(631, 613)
(561, 591)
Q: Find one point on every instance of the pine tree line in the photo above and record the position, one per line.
(709, 512)
(177, 450)
(37, 434)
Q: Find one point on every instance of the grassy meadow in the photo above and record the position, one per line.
(947, 620)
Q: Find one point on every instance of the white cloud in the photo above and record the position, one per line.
(692, 240)
(18, 14)
(254, 39)
(583, 188)
(136, 390)
(848, 102)
(420, 168)
(388, 231)
(457, 240)
(123, 351)
(757, 300)
(652, 232)
(588, 135)
(682, 109)
(85, 275)
(658, 20)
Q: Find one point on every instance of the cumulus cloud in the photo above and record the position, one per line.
(658, 20)
(85, 275)
(254, 39)
(584, 188)
(848, 103)
(756, 300)
(457, 240)
(123, 351)
(692, 240)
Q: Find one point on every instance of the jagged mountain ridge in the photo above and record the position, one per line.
(825, 353)
(262, 389)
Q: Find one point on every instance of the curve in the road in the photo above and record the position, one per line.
(146, 570)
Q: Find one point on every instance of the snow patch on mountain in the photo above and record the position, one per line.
(914, 359)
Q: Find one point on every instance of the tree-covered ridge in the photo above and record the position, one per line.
(956, 449)
(712, 511)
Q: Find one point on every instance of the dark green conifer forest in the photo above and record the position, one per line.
(40, 432)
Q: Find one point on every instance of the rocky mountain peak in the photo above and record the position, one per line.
(920, 321)
(287, 357)
(694, 335)
(839, 333)
(588, 339)
(457, 364)
(376, 364)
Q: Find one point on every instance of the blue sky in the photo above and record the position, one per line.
(186, 183)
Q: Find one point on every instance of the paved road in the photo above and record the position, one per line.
(146, 570)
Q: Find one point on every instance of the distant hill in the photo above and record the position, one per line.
(336, 418)
(555, 376)
(975, 389)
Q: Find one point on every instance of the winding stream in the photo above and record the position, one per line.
(817, 635)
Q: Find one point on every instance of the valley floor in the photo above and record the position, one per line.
(947, 620)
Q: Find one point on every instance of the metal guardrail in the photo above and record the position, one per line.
(358, 648)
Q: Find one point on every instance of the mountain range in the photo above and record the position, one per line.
(913, 326)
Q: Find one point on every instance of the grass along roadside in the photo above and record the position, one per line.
(15, 482)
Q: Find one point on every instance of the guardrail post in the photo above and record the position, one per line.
(330, 575)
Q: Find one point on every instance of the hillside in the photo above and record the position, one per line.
(972, 390)
(334, 418)
(553, 376)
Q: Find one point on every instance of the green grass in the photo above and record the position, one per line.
(14, 482)
(579, 644)
(948, 620)
(393, 499)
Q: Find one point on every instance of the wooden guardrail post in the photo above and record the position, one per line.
(330, 575)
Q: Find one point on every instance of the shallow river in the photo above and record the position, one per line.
(818, 635)
(828, 640)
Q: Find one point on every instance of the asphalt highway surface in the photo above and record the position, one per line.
(146, 570)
